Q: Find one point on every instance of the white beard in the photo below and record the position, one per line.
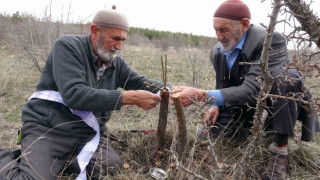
(107, 57)
(230, 45)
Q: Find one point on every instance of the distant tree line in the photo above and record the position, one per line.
(152, 34)
(165, 38)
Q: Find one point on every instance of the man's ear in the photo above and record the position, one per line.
(94, 31)
(245, 22)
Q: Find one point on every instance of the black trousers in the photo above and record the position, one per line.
(48, 154)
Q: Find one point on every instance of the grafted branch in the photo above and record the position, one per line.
(163, 113)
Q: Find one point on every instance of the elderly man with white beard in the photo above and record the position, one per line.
(77, 91)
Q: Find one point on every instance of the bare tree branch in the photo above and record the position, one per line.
(260, 114)
(309, 22)
(179, 165)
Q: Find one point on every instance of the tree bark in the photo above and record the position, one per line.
(309, 22)
(182, 129)
(163, 116)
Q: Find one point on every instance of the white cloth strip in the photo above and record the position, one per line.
(88, 150)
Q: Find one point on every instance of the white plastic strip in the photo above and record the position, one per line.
(88, 150)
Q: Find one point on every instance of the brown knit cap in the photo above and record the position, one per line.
(233, 9)
(111, 18)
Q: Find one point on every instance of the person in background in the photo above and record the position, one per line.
(64, 120)
(235, 60)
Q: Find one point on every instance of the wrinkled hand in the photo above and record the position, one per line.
(143, 99)
(174, 90)
(177, 89)
(189, 94)
(211, 116)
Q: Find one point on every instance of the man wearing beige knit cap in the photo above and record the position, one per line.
(64, 120)
(235, 60)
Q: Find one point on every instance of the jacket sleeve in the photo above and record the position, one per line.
(247, 91)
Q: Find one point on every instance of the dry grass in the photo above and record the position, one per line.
(18, 78)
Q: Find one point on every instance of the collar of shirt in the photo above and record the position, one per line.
(99, 63)
(231, 56)
(101, 71)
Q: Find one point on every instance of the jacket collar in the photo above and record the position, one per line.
(254, 36)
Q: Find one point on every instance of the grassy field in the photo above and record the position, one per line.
(186, 66)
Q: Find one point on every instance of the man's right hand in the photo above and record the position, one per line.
(143, 99)
(211, 116)
(189, 94)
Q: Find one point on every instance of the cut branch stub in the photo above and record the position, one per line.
(182, 129)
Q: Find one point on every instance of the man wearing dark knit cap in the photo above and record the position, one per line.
(235, 59)
(64, 120)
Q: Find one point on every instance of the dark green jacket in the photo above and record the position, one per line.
(71, 70)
